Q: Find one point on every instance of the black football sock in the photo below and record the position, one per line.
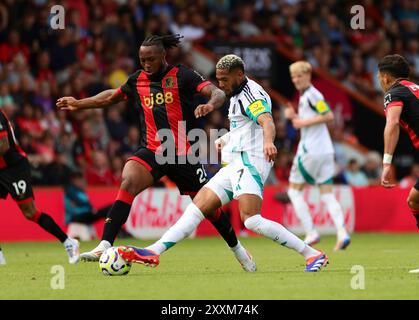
(221, 222)
(48, 224)
(117, 216)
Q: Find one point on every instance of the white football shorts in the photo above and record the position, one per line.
(243, 175)
(313, 169)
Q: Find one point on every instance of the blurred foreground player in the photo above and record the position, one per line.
(314, 162)
(249, 154)
(15, 179)
(163, 95)
(402, 108)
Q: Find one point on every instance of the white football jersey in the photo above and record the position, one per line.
(249, 101)
(315, 139)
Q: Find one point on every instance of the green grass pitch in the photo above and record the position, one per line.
(205, 269)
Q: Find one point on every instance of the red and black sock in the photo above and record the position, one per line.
(117, 215)
(221, 222)
(48, 224)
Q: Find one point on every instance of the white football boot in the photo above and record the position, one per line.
(95, 254)
(244, 258)
(343, 240)
(73, 250)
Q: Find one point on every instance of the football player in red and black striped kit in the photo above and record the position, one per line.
(15, 179)
(401, 106)
(163, 95)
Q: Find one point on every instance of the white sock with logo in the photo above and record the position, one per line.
(279, 234)
(301, 209)
(182, 229)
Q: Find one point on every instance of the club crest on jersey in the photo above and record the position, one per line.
(169, 83)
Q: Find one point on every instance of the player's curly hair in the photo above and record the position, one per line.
(165, 42)
(230, 62)
(395, 65)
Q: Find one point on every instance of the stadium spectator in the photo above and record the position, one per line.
(85, 145)
(99, 48)
(117, 127)
(13, 47)
(57, 173)
(354, 176)
(79, 212)
(372, 168)
(99, 172)
(410, 180)
(131, 141)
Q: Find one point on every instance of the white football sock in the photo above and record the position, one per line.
(279, 234)
(102, 246)
(183, 228)
(2, 259)
(336, 213)
(301, 209)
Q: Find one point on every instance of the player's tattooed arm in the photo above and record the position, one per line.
(102, 100)
(266, 121)
(4, 145)
(216, 99)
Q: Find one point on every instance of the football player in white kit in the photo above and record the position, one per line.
(249, 153)
(314, 162)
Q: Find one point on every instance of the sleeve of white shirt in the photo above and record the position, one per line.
(317, 102)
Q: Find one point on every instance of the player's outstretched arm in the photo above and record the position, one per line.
(216, 100)
(391, 137)
(267, 123)
(299, 123)
(102, 100)
(4, 145)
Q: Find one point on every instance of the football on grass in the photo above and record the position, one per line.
(112, 264)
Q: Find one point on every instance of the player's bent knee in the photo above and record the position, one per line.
(135, 178)
(413, 205)
(130, 185)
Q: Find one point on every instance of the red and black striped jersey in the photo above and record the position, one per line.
(405, 94)
(15, 152)
(164, 101)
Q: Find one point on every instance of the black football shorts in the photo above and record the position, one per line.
(16, 181)
(189, 178)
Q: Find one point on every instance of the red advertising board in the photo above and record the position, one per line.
(367, 209)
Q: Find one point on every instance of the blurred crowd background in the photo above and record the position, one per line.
(98, 49)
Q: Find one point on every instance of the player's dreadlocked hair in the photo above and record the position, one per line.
(165, 42)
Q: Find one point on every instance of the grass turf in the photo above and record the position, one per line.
(205, 269)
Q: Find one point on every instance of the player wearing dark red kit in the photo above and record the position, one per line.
(401, 106)
(163, 95)
(15, 179)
